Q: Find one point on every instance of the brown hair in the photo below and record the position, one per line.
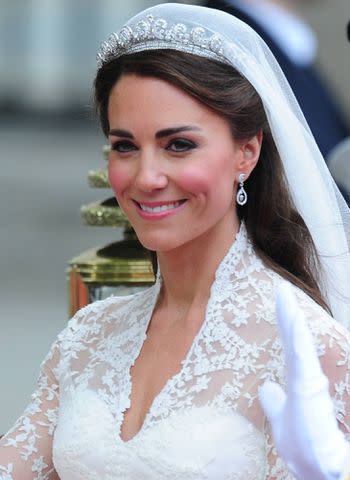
(277, 231)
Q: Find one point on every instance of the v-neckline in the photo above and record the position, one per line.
(241, 236)
(170, 381)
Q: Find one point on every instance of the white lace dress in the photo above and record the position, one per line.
(206, 423)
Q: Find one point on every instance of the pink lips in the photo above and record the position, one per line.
(159, 214)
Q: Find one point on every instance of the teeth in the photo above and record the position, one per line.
(161, 208)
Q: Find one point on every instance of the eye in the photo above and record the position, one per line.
(123, 146)
(180, 145)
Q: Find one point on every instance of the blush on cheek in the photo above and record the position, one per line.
(117, 178)
(195, 182)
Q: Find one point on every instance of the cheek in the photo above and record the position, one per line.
(198, 176)
(208, 179)
(118, 177)
(195, 182)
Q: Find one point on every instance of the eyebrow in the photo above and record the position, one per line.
(160, 134)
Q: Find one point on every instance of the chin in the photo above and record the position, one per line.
(159, 243)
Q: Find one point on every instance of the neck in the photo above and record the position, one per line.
(188, 271)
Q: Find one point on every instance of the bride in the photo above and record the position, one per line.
(218, 173)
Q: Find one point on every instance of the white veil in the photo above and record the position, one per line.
(214, 34)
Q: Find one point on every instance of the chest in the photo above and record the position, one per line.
(160, 359)
(171, 406)
(194, 444)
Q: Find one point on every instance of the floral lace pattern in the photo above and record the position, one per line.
(206, 423)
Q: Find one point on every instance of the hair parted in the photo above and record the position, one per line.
(275, 228)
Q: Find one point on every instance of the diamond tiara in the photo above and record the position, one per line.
(156, 33)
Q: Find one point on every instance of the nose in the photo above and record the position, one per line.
(150, 174)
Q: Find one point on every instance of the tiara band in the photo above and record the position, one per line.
(156, 33)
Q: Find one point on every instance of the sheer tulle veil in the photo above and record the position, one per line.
(214, 34)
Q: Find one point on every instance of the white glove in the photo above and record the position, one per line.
(304, 426)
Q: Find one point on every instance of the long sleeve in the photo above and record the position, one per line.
(26, 450)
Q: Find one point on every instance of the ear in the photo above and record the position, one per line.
(250, 153)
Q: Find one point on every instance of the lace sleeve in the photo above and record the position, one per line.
(333, 346)
(25, 451)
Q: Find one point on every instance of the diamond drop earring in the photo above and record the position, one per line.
(241, 196)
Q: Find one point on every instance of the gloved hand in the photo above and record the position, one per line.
(304, 428)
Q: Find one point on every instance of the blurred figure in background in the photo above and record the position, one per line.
(294, 45)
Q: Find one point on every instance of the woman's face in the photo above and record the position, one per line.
(173, 164)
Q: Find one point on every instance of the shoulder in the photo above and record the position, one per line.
(331, 339)
(319, 321)
(97, 327)
(111, 313)
(265, 281)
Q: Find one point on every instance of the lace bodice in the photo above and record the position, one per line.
(206, 423)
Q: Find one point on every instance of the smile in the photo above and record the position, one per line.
(159, 208)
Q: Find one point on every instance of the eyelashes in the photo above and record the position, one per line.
(178, 145)
(181, 145)
(123, 146)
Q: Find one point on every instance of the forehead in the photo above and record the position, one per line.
(149, 98)
(131, 88)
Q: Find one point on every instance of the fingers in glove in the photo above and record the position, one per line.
(272, 399)
(303, 367)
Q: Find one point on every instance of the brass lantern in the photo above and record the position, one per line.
(120, 268)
